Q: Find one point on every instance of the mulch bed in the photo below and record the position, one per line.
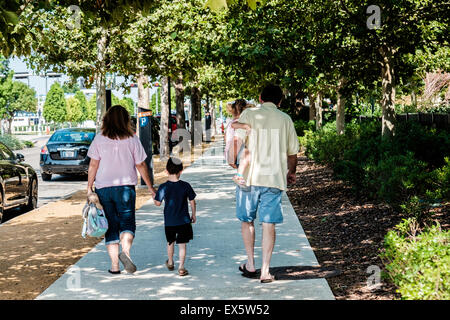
(345, 232)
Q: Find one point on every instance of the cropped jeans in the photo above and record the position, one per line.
(119, 206)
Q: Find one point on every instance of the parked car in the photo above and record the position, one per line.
(18, 182)
(66, 152)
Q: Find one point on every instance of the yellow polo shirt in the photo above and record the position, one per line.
(272, 139)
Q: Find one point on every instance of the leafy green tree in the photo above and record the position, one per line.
(79, 95)
(74, 110)
(154, 99)
(128, 104)
(15, 96)
(92, 108)
(55, 105)
(70, 87)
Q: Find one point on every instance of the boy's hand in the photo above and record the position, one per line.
(247, 127)
(193, 219)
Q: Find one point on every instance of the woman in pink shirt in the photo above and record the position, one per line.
(115, 155)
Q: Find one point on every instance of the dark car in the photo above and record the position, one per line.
(18, 182)
(66, 152)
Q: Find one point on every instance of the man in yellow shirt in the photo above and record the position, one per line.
(273, 147)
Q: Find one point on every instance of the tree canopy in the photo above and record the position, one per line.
(55, 105)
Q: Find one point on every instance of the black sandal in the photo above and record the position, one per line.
(114, 272)
(171, 267)
(269, 280)
(246, 273)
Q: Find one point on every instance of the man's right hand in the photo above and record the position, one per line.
(291, 178)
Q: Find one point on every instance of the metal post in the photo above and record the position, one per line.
(108, 99)
(144, 123)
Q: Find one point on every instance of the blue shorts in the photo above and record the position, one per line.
(119, 206)
(266, 201)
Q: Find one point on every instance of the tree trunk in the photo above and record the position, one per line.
(100, 80)
(164, 124)
(143, 91)
(340, 111)
(179, 93)
(388, 91)
(10, 120)
(196, 129)
(413, 98)
(312, 108)
(318, 107)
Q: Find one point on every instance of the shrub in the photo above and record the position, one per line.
(428, 144)
(392, 170)
(11, 142)
(398, 177)
(301, 126)
(418, 263)
(28, 144)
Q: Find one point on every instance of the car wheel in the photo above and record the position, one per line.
(32, 196)
(46, 176)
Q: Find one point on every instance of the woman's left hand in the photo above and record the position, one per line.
(152, 191)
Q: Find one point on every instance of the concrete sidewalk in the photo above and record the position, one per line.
(213, 256)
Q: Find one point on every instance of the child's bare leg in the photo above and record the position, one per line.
(170, 250)
(244, 161)
(182, 254)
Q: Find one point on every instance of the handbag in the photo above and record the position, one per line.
(95, 223)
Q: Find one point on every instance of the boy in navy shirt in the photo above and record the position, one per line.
(177, 222)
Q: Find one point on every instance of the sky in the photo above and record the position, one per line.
(39, 83)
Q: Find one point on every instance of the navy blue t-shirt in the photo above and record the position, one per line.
(176, 196)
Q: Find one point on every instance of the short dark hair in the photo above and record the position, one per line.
(272, 93)
(174, 165)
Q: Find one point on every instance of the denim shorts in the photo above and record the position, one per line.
(119, 206)
(266, 201)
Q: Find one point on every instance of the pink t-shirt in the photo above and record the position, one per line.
(229, 135)
(118, 160)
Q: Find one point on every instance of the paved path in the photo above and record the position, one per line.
(213, 256)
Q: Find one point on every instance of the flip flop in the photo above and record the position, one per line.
(246, 273)
(169, 266)
(114, 272)
(269, 280)
(183, 272)
(128, 264)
